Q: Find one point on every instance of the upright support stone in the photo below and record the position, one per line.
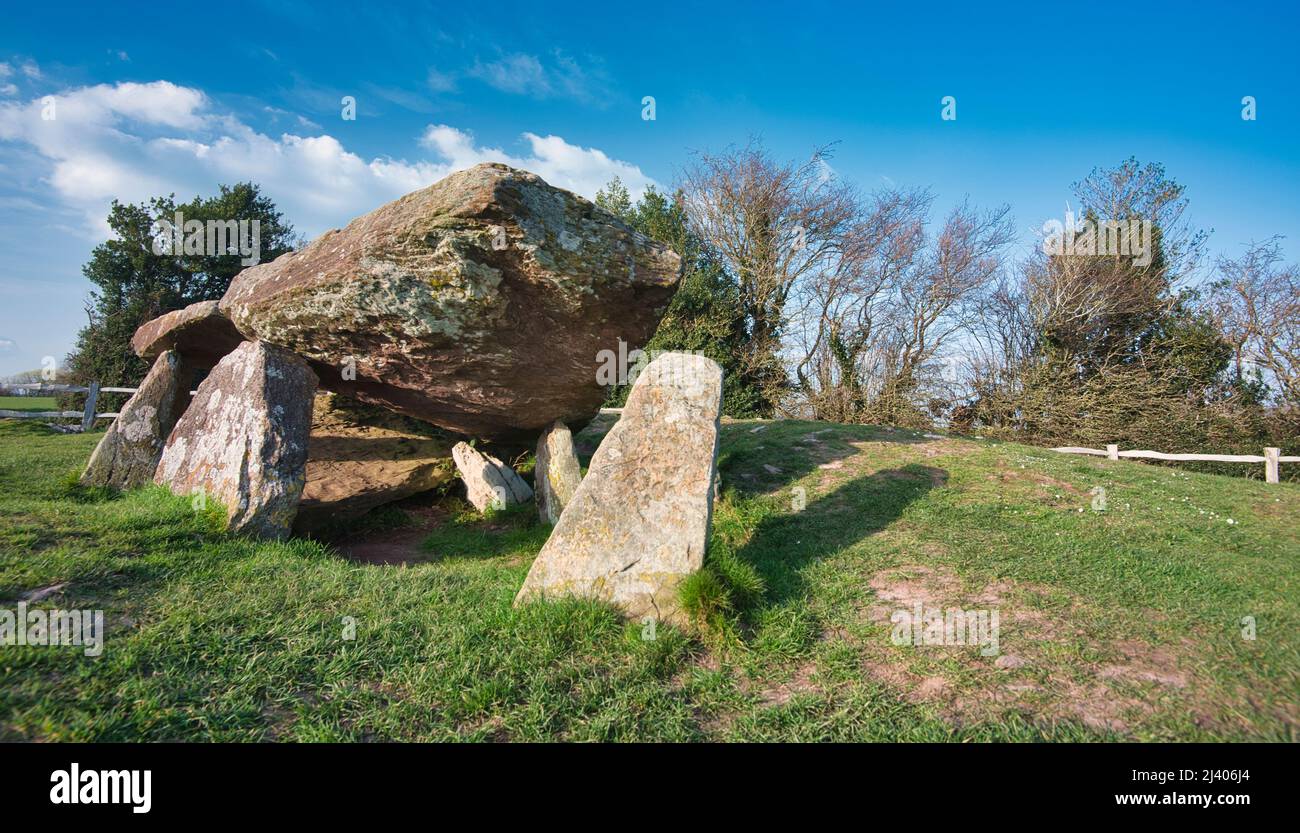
(639, 522)
(128, 454)
(243, 440)
(489, 483)
(1112, 452)
(1272, 458)
(557, 474)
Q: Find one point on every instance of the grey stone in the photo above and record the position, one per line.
(489, 483)
(243, 440)
(128, 454)
(639, 522)
(557, 474)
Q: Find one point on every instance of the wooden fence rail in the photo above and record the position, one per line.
(1271, 458)
(88, 415)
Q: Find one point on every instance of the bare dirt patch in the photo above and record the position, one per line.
(800, 683)
(1030, 672)
(395, 547)
(1006, 474)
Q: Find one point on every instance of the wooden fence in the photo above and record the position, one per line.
(1272, 457)
(87, 414)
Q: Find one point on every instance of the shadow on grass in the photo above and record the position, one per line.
(783, 544)
(763, 456)
(473, 536)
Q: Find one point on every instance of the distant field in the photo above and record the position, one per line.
(1136, 603)
(28, 403)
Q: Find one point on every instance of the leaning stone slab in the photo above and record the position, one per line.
(201, 332)
(128, 454)
(489, 482)
(557, 474)
(243, 440)
(639, 522)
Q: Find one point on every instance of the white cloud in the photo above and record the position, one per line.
(133, 141)
(578, 169)
(560, 76)
(441, 82)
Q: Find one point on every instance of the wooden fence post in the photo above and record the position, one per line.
(1112, 452)
(1271, 456)
(92, 395)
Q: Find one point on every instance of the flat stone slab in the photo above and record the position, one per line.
(200, 332)
(360, 457)
(129, 452)
(243, 440)
(639, 522)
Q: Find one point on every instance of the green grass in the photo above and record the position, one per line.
(28, 403)
(1127, 622)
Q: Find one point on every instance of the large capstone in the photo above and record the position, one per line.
(128, 454)
(557, 473)
(487, 303)
(243, 440)
(639, 522)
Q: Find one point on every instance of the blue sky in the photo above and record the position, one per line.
(163, 99)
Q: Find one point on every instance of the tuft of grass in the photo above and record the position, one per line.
(705, 599)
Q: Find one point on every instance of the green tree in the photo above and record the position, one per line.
(705, 314)
(134, 284)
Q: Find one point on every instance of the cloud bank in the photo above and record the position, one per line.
(132, 141)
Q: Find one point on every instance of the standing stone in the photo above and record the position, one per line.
(639, 522)
(243, 440)
(488, 481)
(557, 473)
(128, 454)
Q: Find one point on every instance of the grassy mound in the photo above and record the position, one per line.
(1122, 589)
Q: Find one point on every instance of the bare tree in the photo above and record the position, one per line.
(771, 224)
(846, 311)
(1257, 307)
(1090, 307)
(938, 298)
